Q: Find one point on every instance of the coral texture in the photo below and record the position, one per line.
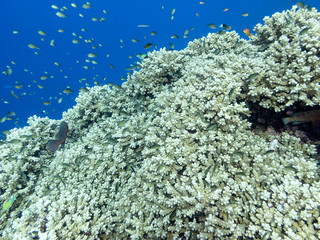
(171, 154)
(290, 44)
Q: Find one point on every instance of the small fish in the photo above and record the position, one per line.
(40, 86)
(92, 55)
(8, 72)
(10, 113)
(46, 103)
(7, 204)
(42, 33)
(114, 85)
(121, 123)
(3, 119)
(247, 32)
(33, 46)
(291, 168)
(312, 116)
(172, 11)
(134, 40)
(14, 95)
(15, 141)
(155, 146)
(201, 2)
(252, 76)
(60, 137)
(225, 27)
(60, 14)
(18, 86)
(268, 152)
(99, 162)
(301, 5)
(304, 31)
(68, 90)
(226, 9)
(142, 56)
(148, 45)
(174, 36)
(245, 14)
(212, 25)
(82, 89)
(86, 5)
(143, 25)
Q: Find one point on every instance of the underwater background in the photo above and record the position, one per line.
(47, 58)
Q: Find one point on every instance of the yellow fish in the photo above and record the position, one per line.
(7, 204)
(247, 32)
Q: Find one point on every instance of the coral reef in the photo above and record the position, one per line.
(290, 44)
(171, 153)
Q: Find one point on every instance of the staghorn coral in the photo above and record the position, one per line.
(168, 155)
(290, 44)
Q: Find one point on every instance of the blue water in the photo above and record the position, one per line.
(122, 19)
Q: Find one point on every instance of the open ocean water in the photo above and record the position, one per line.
(47, 59)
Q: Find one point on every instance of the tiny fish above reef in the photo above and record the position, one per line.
(60, 137)
(247, 32)
(312, 116)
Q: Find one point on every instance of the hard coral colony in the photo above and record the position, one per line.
(171, 153)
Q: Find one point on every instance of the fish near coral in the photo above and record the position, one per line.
(247, 32)
(7, 204)
(60, 137)
(312, 116)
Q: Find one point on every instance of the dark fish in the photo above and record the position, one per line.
(225, 27)
(148, 45)
(312, 116)
(60, 137)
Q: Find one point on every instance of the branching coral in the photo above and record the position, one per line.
(171, 154)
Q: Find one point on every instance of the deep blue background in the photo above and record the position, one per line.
(28, 17)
